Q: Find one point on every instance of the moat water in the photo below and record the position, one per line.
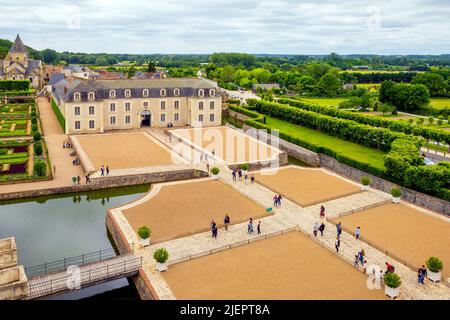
(63, 226)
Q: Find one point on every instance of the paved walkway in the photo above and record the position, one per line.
(290, 216)
(59, 157)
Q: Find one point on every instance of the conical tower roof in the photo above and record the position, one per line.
(18, 46)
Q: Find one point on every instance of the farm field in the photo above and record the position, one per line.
(327, 102)
(350, 149)
(440, 103)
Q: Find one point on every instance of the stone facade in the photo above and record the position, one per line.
(17, 66)
(99, 105)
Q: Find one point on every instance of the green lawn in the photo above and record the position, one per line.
(440, 103)
(326, 102)
(353, 150)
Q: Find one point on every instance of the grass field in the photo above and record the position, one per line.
(327, 102)
(352, 150)
(440, 103)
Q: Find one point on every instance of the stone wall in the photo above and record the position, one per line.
(110, 182)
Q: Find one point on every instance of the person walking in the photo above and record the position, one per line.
(339, 229)
(240, 174)
(250, 226)
(357, 232)
(107, 170)
(102, 169)
(78, 180)
(212, 225)
(246, 178)
(258, 228)
(356, 261)
(275, 200)
(421, 274)
(88, 180)
(322, 229)
(54, 171)
(252, 178)
(337, 244)
(214, 232)
(226, 221)
(279, 199)
(322, 212)
(315, 229)
(234, 175)
(361, 256)
(207, 165)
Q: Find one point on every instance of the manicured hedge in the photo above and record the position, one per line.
(373, 137)
(404, 127)
(59, 116)
(14, 85)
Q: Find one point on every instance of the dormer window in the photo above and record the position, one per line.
(176, 92)
(163, 92)
(145, 93)
(77, 96)
(128, 93)
(212, 92)
(112, 94)
(201, 93)
(91, 96)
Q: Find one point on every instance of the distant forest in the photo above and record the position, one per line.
(408, 62)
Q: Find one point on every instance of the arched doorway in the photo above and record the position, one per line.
(146, 118)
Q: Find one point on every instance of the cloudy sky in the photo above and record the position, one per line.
(198, 26)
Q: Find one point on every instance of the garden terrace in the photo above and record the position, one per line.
(306, 186)
(13, 160)
(284, 267)
(120, 151)
(231, 146)
(406, 233)
(178, 209)
(14, 127)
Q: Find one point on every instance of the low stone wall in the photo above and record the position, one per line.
(8, 253)
(110, 182)
(13, 283)
(144, 287)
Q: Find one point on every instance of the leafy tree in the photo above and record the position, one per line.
(434, 82)
(330, 85)
(151, 67)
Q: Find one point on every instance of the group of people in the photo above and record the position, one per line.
(227, 221)
(67, 145)
(241, 176)
(103, 170)
(360, 259)
(277, 200)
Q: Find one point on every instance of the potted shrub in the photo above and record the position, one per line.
(396, 194)
(244, 168)
(215, 172)
(144, 233)
(161, 255)
(392, 283)
(434, 266)
(365, 181)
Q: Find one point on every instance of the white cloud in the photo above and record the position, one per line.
(195, 26)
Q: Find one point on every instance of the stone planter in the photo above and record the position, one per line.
(145, 242)
(391, 292)
(215, 176)
(365, 188)
(161, 266)
(396, 199)
(434, 276)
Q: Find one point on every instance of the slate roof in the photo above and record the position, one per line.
(188, 87)
(55, 78)
(18, 46)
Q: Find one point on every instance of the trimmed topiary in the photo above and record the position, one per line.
(392, 280)
(434, 264)
(144, 232)
(396, 192)
(245, 166)
(40, 168)
(161, 255)
(37, 136)
(215, 170)
(34, 128)
(365, 181)
(37, 148)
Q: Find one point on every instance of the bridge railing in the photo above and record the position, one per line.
(60, 265)
(97, 272)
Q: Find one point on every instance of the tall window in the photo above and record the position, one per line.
(77, 125)
(176, 116)
(176, 92)
(113, 120)
(127, 106)
(112, 94)
(145, 103)
(211, 105)
(163, 92)
(91, 110)
(163, 117)
(200, 105)
(211, 117)
(128, 93)
(112, 107)
(176, 104)
(127, 119)
(77, 111)
(91, 124)
(212, 92)
(163, 105)
(200, 117)
(77, 96)
(91, 96)
(201, 93)
(145, 93)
